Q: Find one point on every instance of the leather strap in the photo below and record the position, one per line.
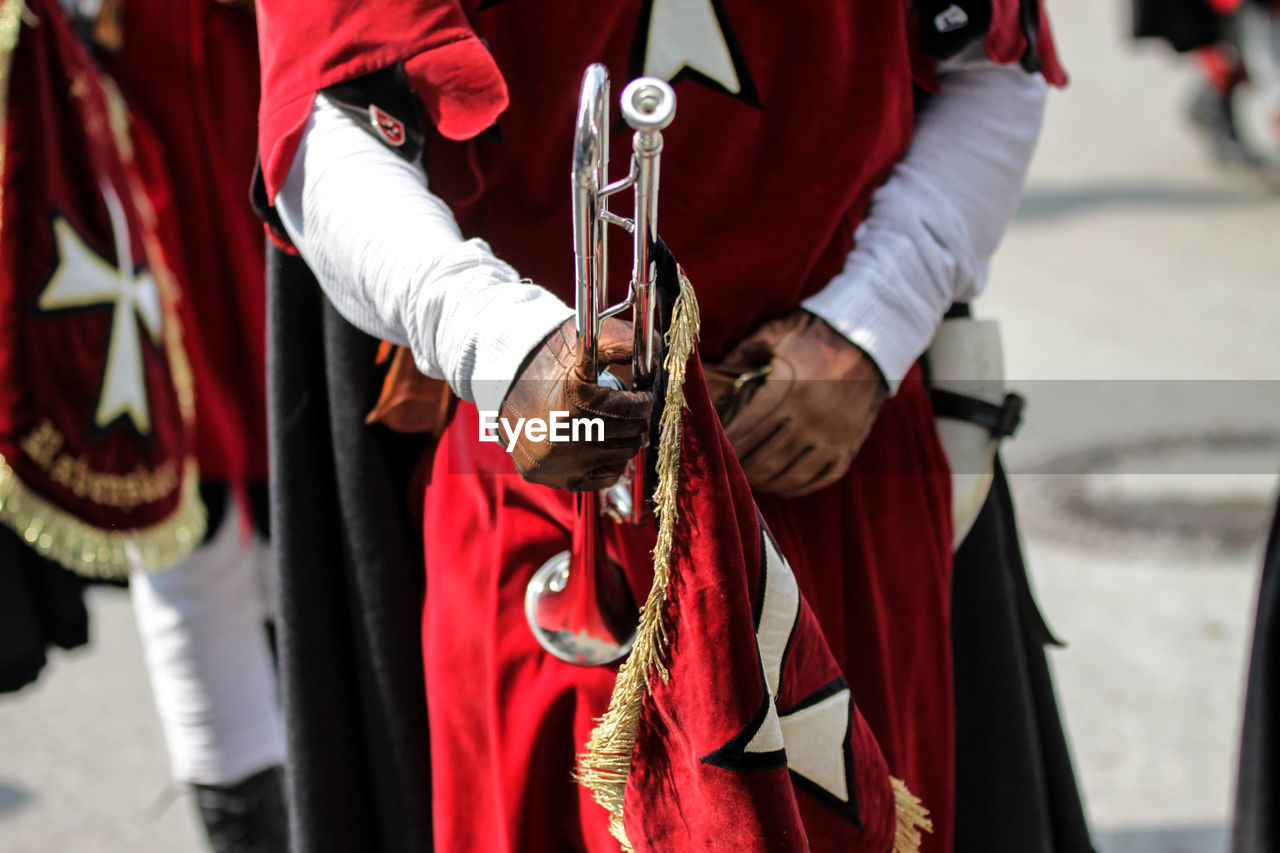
(1001, 420)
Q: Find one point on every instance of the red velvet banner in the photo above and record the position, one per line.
(95, 390)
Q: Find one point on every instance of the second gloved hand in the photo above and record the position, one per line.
(802, 427)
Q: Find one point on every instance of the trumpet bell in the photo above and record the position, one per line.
(551, 596)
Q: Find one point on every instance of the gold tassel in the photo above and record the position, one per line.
(604, 767)
(913, 819)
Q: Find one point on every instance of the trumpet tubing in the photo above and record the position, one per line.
(578, 604)
(648, 106)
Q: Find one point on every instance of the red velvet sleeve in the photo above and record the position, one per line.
(306, 46)
(1006, 41)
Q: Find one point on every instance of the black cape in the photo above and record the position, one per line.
(1258, 785)
(351, 587)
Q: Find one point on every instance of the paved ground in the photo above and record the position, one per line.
(82, 761)
(1133, 268)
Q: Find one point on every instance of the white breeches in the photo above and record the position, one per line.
(202, 628)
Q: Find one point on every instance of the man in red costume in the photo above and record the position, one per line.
(836, 179)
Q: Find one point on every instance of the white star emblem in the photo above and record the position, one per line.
(84, 279)
(685, 33)
(813, 735)
(810, 739)
(680, 37)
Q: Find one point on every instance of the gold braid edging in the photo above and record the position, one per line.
(913, 819)
(93, 551)
(604, 767)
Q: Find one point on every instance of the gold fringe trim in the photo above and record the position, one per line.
(93, 551)
(913, 819)
(604, 767)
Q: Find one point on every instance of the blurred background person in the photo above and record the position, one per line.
(1221, 34)
(188, 74)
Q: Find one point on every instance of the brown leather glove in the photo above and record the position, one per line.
(552, 381)
(802, 426)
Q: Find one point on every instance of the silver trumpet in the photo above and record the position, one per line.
(585, 614)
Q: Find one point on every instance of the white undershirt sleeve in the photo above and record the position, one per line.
(389, 256)
(932, 227)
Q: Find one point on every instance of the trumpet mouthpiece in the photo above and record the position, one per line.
(648, 104)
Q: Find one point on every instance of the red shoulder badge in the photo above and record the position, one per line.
(390, 128)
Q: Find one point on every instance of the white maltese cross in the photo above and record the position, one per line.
(84, 279)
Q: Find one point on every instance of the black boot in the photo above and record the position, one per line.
(1214, 114)
(247, 817)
